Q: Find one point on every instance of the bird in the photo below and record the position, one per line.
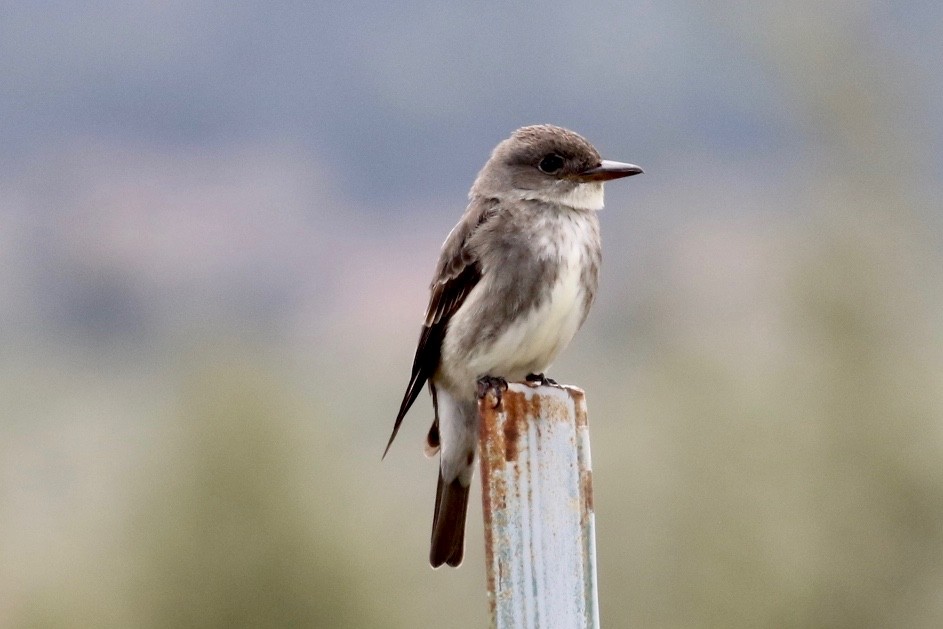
(514, 282)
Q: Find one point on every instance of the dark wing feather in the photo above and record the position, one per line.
(450, 296)
(457, 274)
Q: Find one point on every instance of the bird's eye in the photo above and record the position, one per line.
(551, 163)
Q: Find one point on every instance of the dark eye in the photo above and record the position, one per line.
(551, 163)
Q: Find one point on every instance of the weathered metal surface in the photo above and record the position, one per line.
(540, 541)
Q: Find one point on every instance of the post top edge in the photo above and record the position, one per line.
(534, 388)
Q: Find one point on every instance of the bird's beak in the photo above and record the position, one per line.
(609, 170)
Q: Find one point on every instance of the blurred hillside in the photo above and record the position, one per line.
(217, 225)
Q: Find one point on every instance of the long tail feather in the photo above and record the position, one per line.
(448, 523)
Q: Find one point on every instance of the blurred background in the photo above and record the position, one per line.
(217, 227)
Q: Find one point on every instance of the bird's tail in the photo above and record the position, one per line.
(448, 523)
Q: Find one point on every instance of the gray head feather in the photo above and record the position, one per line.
(514, 166)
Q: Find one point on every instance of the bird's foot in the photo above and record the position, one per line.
(541, 379)
(497, 386)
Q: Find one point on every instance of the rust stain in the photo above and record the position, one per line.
(534, 408)
(511, 434)
(513, 405)
(486, 413)
(579, 405)
(517, 411)
(489, 541)
(586, 487)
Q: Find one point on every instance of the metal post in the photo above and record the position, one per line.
(537, 494)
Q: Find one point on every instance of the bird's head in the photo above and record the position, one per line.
(550, 164)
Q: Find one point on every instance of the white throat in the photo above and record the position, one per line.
(585, 196)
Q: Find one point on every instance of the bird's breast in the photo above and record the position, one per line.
(567, 247)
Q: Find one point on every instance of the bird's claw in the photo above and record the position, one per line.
(497, 386)
(541, 379)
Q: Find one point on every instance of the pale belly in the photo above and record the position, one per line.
(531, 338)
(532, 341)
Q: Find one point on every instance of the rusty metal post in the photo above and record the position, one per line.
(540, 537)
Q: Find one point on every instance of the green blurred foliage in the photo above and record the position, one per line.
(226, 537)
(802, 491)
(222, 531)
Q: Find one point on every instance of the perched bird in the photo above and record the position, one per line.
(514, 282)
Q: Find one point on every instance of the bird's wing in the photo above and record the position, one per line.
(457, 273)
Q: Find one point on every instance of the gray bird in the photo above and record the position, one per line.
(514, 282)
